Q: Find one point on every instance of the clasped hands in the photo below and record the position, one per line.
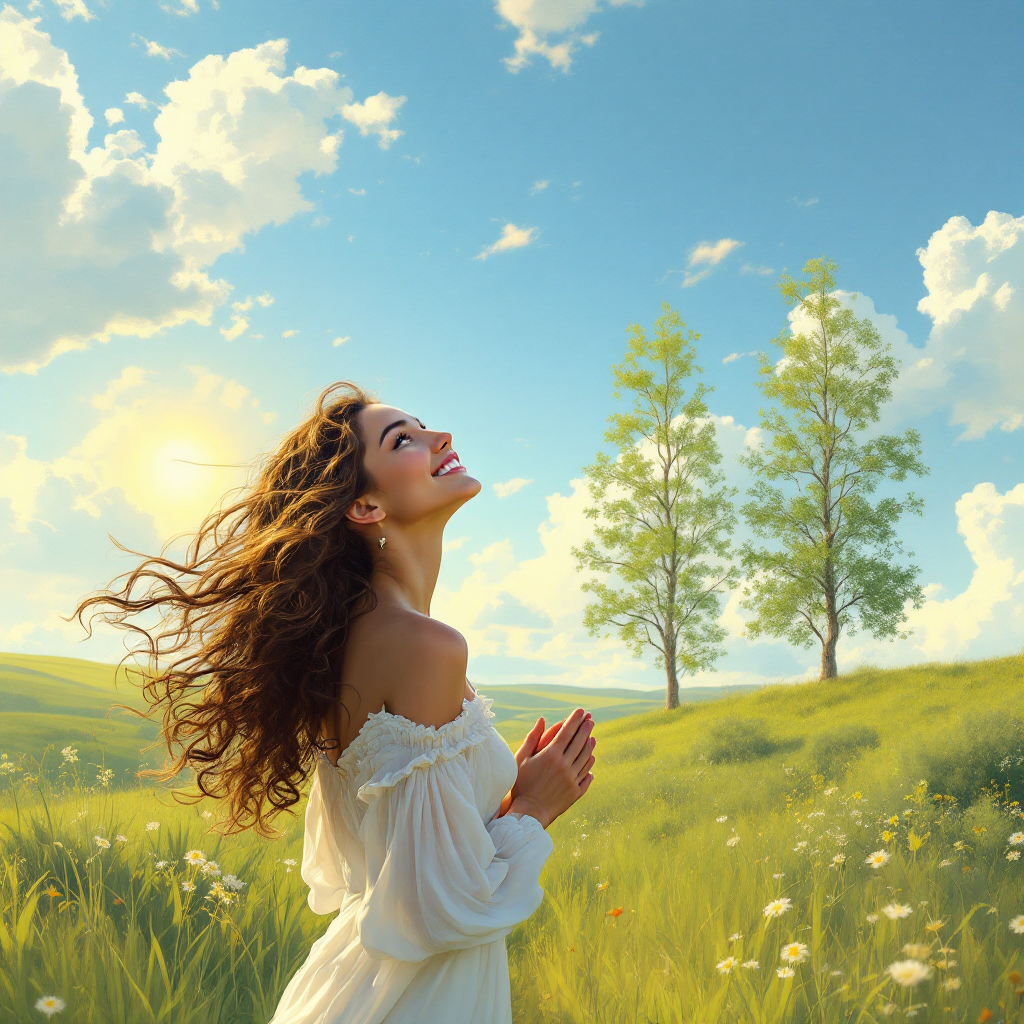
(554, 768)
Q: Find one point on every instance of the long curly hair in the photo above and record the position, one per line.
(246, 659)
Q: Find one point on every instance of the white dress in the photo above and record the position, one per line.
(401, 840)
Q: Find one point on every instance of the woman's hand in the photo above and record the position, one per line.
(536, 740)
(552, 779)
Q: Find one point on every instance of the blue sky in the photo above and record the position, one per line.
(351, 165)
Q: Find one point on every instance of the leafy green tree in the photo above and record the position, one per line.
(663, 516)
(835, 561)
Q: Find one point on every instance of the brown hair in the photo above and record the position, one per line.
(245, 662)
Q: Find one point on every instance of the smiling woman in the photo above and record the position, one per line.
(297, 647)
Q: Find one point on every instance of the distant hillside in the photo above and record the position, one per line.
(56, 702)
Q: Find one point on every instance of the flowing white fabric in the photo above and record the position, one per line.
(401, 840)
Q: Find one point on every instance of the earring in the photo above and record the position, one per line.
(383, 540)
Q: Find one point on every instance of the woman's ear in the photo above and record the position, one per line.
(364, 512)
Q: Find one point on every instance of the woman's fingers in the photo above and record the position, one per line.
(581, 758)
(568, 730)
(579, 742)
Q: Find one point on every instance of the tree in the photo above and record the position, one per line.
(663, 515)
(835, 565)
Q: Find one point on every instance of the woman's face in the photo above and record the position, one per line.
(415, 473)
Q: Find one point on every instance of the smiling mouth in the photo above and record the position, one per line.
(450, 465)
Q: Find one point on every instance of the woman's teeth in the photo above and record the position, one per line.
(448, 467)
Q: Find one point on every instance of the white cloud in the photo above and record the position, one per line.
(338, 342)
(374, 115)
(183, 8)
(538, 186)
(796, 201)
(509, 487)
(707, 255)
(762, 271)
(550, 28)
(358, 191)
(31, 605)
(239, 325)
(71, 9)
(136, 99)
(234, 139)
(289, 334)
(265, 300)
(114, 115)
(154, 49)
(512, 237)
(21, 479)
(243, 306)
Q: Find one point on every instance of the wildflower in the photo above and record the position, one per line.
(887, 836)
(725, 966)
(878, 858)
(896, 911)
(188, 886)
(206, 815)
(979, 830)
(219, 894)
(946, 964)
(233, 882)
(70, 755)
(1017, 924)
(1017, 839)
(908, 973)
(724, 817)
(103, 844)
(935, 926)
(1013, 854)
(210, 868)
(795, 953)
(781, 874)
(829, 791)
(52, 891)
(152, 826)
(872, 919)
(959, 845)
(839, 860)
(985, 1015)
(104, 776)
(917, 950)
(121, 839)
(751, 965)
(951, 984)
(194, 858)
(785, 972)
(161, 864)
(945, 863)
(601, 886)
(50, 1005)
(799, 847)
(778, 907)
(736, 936)
(732, 840)
(289, 863)
(614, 913)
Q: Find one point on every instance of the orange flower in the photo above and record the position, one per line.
(614, 913)
(986, 1014)
(1015, 977)
(118, 902)
(53, 892)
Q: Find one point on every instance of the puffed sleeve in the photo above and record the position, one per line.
(437, 877)
(324, 868)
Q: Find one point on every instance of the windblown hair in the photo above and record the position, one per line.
(245, 662)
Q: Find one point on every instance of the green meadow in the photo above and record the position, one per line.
(828, 852)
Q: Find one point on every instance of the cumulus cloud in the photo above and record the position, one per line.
(539, 186)
(707, 255)
(137, 100)
(110, 240)
(551, 29)
(512, 237)
(154, 49)
(114, 115)
(374, 115)
(71, 9)
(509, 487)
(182, 9)
(169, 452)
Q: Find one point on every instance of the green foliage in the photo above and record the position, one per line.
(834, 563)
(739, 741)
(985, 749)
(834, 751)
(662, 514)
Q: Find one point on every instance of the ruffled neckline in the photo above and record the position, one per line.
(383, 725)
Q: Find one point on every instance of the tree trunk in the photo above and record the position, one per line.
(672, 689)
(828, 648)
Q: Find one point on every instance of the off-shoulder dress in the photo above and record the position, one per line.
(401, 840)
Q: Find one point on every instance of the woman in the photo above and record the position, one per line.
(297, 641)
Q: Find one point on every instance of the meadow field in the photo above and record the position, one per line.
(847, 851)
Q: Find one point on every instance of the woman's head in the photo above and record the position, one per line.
(245, 661)
(415, 479)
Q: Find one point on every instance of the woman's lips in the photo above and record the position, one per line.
(450, 465)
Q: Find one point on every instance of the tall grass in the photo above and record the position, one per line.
(656, 893)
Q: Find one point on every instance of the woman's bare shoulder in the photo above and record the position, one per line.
(414, 664)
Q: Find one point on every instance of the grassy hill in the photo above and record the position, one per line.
(717, 871)
(56, 702)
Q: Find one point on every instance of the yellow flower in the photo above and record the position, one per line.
(601, 886)
(887, 836)
(934, 926)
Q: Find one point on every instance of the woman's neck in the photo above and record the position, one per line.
(405, 570)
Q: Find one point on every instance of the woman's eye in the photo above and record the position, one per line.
(399, 438)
